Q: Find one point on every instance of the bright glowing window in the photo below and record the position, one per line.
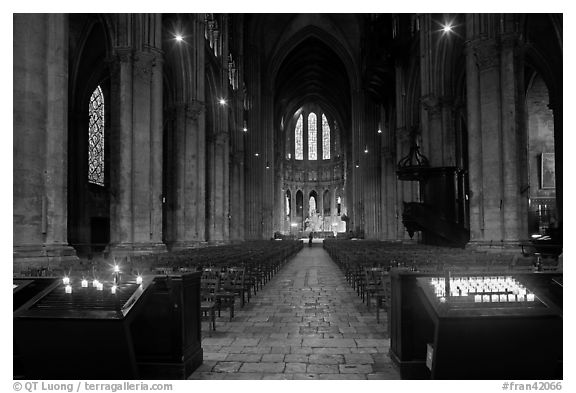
(299, 139)
(96, 138)
(312, 137)
(325, 138)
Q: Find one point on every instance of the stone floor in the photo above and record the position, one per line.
(306, 323)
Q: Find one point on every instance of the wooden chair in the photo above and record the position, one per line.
(208, 307)
(372, 283)
(233, 281)
(383, 296)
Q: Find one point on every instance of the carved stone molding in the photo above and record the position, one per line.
(487, 54)
(143, 66)
(221, 138)
(509, 40)
(194, 109)
(237, 157)
(432, 104)
(123, 55)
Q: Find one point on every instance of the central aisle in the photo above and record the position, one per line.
(306, 323)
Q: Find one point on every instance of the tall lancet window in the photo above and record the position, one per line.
(325, 138)
(312, 137)
(96, 138)
(299, 139)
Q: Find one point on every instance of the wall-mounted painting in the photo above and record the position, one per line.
(547, 173)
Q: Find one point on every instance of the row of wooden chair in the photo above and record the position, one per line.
(367, 264)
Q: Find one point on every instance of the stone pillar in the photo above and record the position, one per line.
(494, 83)
(156, 150)
(514, 205)
(556, 107)
(136, 173)
(218, 231)
(188, 184)
(237, 197)
(488, 61)
(40, 141)
(475, 172)
(355, 200)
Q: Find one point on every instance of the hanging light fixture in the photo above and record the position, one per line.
(267, 164)
(366, 149)
(379, 128)
(245, 127)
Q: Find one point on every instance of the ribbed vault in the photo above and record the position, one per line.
(312, 73)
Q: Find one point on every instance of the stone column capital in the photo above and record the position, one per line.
(487, 54)
(221, 138)
(238, 157)
(431, 104)
(143, 65)
(194, 109)
(123, 55)
(510, 40)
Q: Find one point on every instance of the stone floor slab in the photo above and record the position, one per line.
(305, 323)
(262, 368)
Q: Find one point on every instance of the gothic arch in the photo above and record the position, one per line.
(88, 204)
(288, 42)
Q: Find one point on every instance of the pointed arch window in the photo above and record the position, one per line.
(325, 138)
(299, 139)
(312, 137)
(96, 138)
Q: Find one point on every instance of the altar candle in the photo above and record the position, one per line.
(113, 290)
(66, 280)
(84, 283)
(139, 280)
(68, 288)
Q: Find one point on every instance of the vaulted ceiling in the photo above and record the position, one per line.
(312, 73)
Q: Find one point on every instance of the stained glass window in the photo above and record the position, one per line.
(299, 140)
(312, 137)
(325, 138)
(96, 138)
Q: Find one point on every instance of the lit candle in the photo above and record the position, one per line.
(113, 289)
(530, 297)
(66, 280)
(84, 283)
(139, 280)
(520, 297)
(68, 288)
(100, 286)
